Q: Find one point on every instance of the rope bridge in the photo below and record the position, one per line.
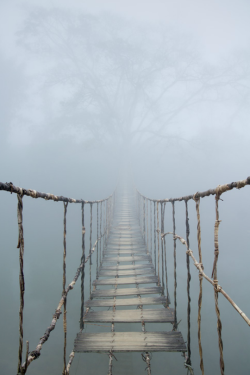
(131, 252)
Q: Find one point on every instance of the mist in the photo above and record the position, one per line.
(155, 91)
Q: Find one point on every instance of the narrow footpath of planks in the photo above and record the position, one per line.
(126, 264)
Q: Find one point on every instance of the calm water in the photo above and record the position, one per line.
(43, 233)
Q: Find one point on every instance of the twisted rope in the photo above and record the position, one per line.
(64, 285)
(175, 325)
(197, 202)
(82, 270)
(214, 275)
(20, 245)
(188, 360)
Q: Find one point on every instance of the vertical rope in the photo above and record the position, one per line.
(101, 236)
(90, 247)
(162, 245)
(144, 221)
(97, 235)
(165, 259)
(83, 270)
(20, 246)
(175, 326)
(64, 286)
(147, 222)
(214, 275)
(188, 361)
(197, 201)
(155, 236)
(151, 247)
(158, 241)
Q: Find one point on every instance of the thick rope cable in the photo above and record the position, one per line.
(64, 286)
(20, 246)
(214, 275)
(188, 360)
(197, 202)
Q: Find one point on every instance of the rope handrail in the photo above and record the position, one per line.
(218, 190)
(8, 186)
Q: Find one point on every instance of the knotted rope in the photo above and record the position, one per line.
(64, 286)
(197, 202)
(20, 245)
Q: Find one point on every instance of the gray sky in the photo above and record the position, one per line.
(219, 26)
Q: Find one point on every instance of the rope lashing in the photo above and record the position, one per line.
(147, 360)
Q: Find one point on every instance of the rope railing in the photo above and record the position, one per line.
(159, 236)
(105, 222)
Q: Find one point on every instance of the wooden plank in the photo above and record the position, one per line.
(108, 273)
(144, 258)
(127, 280)
(125, 292)
(126, 302)
(130, 342)
(127, 267)
(131, 316)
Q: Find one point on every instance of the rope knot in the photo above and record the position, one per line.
(196, 198)
(241, 184)
(217, 287)
(189, 252)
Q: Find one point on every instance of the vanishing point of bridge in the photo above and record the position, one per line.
(131, 269)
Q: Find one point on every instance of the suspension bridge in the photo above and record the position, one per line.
(131, 284)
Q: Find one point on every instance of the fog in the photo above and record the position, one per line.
(92, 90)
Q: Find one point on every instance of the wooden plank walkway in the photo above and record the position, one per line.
(127, 265)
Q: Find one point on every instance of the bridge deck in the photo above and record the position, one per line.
(127, 264)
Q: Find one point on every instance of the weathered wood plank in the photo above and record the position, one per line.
(126, 302)
(127, 280)
(125, 292)
(131, 316)
(145, 258)
(129, 342)
(108, 273)
(127, 267)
